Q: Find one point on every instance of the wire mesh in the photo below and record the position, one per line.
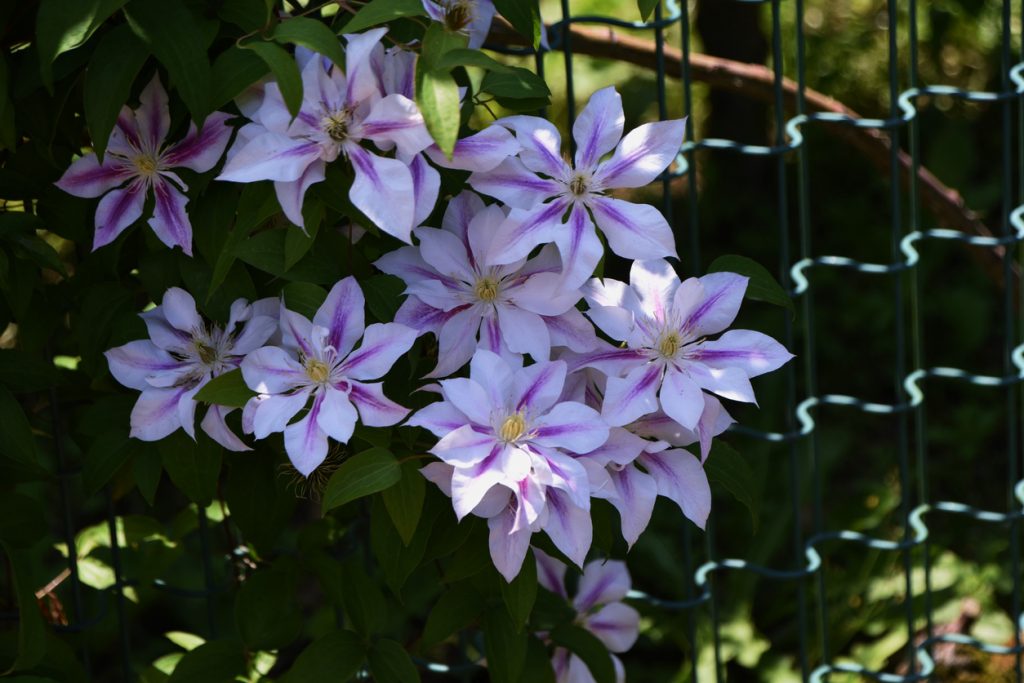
(797, 434)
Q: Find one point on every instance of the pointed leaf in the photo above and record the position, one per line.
(524, 15)
(108, 81)
(762, 286)
(404, 501)
(311, 34)
(520, 594)
(285, 70)
(454, 610)
(587, 647)
(334, 656)
(725, 466)
(380, 12)
(228, 389)
(368, 472)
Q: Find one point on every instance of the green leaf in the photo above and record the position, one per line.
(762, 286)
(20, 371)
(228, 389)
(257, 203)
(437, 96)
(304, 297)
(404, 501)
(361, 598)
(538, 667)
(646, 8)
(146, 469)
(8, 138)
(727, 467)
(177, 39)
(285, 70)
(505, 646)
(63, 25)
(22, 520)
(455, 609)
(524, 15)
(104, 458)
(397, 560)
(467, 57)
(234, 70)
(313, 35)
(108, 81)
(368, 472)
(587, 647)
(217, 661)
(31, 629)
(267, 609)
(18, 443)
(334, 656)
(390, 663)
(297, 242)
(193, 466)
(520, 594)
(516, 83)
(258, 499)
(383, 294)
(248, 15)
(382, 11)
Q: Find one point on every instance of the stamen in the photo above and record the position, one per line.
(207, 354)
(336, 125)
(317, 370)
(670, 344)
(512, 428)
(486, 289)
(578, 185)
(145, 164)
(458, 15)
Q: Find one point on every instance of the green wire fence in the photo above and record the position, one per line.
(796, 437)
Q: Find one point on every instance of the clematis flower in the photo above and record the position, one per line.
(183, 353)
(340, 111)
(669, 360)
(517, 308)
(472, 17)
(508, 449)
(137, 164)
(599, 608)
(316, 366)
(555, 201)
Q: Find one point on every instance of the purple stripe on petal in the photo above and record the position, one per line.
(546, 374)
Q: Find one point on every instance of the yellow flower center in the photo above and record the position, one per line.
(145, 164)
(486, 289)
(317, 370)
(670, 344)
(336, 126)
(578, 185)
(207, 353)
(512, 427)
(458, 15)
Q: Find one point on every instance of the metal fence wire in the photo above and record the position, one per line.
(796, 439)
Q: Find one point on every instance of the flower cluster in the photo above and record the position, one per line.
(551, 414)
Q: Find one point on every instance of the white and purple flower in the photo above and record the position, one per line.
(316, 361)
(599, 608)
(669, 362)
(340, 111)
(555, 201)
(521, 307)
(509, 452)
(137, 163)
(182, 354)
(472, 17)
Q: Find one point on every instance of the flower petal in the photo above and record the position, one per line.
(723, 295)
(753, 352)
(446, 253)
(628, 398)
(681, 478)
(550, 573)
(156, 413)
(201, 149)
(361, 81)
(635, 494)
(272, 370)
(644, 153)
(681, 398)
(116, 211)
(214, 425)
(270, 156)
(524, 332)
(634, 231)
(598, 128)
(305, 442)
(654, 283)
(381, 190)
(571, 330)
(541, 144)
(469, 397)
(86, 177)
(153, 115)
(456, 342)
(170, 221)
(479, 152)
(571, 426)
(376, 409)
(603, 582)
(731, 383)
(395, 119)
(508, 547)
(616, 625)
(466, 446)
(579, 246)
(440, 418)
(421, 317)
(568, 526)
(290, 193)
(383, 344)
(138, 360)
(544, 294)
(426, 184)
(523, 230)
(342, 315)
(514, 184)
(337, 416)
(538, 386)
(273, 413)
